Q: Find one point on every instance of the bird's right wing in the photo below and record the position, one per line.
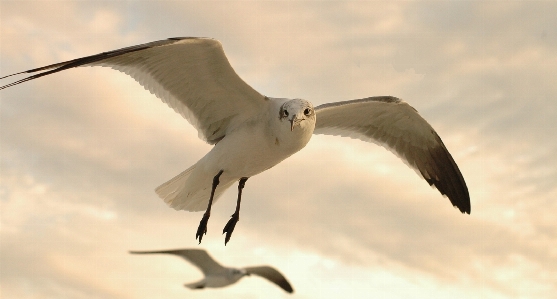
(272, 275)
(191, 75)
(392, 123)
(198, 257)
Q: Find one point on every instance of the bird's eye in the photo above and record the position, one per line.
(306, 111)
(285, 113)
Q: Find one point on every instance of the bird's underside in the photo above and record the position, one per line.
(193, 76)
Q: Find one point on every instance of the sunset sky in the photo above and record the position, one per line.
(82, 151)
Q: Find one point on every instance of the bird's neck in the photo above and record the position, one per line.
(292, 140)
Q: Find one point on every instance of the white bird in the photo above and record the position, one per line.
(252, 132)
(217, 276)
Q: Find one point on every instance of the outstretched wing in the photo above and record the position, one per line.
(272, 275)
(191, 75)
(198, 257)
(392, 123)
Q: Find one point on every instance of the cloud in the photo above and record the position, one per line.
(82, 151)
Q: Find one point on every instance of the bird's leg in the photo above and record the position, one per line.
(202, 229)
(229, 228)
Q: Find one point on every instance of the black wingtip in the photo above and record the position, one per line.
(467, 207)
(463, 210)
(57, 67)
(285, 285)
(451, 183)
(14, 75)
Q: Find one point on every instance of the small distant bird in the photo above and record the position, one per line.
(252, 132)
(217, 276)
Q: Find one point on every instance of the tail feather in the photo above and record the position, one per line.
(190, 193)
(196, 285)
(169, 190)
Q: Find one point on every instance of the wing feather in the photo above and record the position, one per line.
(392, 123)
(198, 257)
(191, 75)
(272, 275)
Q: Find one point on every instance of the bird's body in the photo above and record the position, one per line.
(253, 147)
(251, 132)
(218, 276)
(224, 279)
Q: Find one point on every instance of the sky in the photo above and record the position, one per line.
(81, 152)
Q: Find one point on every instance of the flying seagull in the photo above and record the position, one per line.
(217, 276)
(251, 132)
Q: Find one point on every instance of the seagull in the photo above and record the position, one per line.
(217, 276)
(251, 132)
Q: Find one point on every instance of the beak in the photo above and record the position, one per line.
(293, 121)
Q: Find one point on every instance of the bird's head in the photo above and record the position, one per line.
(297, 113)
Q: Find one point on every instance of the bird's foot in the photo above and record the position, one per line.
(229, 228)
(202, 229)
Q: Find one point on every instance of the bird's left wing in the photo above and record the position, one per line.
(191, 75)
(392, 123)
(198, 257)
(272, 275)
